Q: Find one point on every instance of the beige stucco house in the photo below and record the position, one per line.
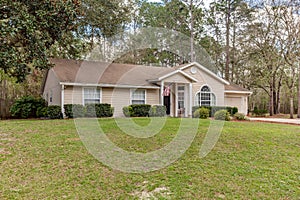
(178, 88)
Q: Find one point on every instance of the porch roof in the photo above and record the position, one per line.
(174, 73)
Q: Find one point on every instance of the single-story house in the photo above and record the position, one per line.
(178, 88)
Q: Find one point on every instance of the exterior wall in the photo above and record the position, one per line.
(117, 97)
(52, 88)
(238, 100)
(120, 98)
(107, 95)
(152, 96)
(216, 86)
(177, 79)
(73, 95)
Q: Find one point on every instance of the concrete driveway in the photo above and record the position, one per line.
(276, 120)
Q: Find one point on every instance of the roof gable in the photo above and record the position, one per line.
(205, 70)
(173, 73)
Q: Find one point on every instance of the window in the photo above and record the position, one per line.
(205, 97)
(91, 95)
(138, 97)
(51, 96)
(180, 97)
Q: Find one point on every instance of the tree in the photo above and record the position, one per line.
(28, 29)
(102, 19)
(225, 20)
(289, 42)
(264, 57)
(173, 15)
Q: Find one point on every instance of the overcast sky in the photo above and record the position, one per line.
(206, 2)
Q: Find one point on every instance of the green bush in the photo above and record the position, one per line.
(74, 110)
(194, 108)
(41, 112)
(213, 109)
(27, 107)
(202, 113)
(239, 116)
(222, 115)
(259, 112)
(54, 112)
(139, 110)
(157, 111)
(126, 111)
(232, 110)
(99, 110)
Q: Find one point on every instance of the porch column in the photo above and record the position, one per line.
(62, 100)
(190, 99)
(176, 100)
(162, 93)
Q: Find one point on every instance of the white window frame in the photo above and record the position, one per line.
(213, 97)
(184, 95)
(94, 88)
(131, 96)
(50, 96)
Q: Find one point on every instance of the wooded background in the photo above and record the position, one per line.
(252, 43)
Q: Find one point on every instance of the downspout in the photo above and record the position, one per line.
(62, 99)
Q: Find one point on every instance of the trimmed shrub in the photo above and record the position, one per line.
(194, 108)
(222, 115)
(54, 112)
(213, 109)
(41, 112)
(27, 107)
(157, 111)
(74, 110)
(99, 110)
(126, 111)
(239, 116)
(139, 110)
(232, 110)
(202, 113)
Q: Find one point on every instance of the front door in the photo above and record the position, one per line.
(167, 103)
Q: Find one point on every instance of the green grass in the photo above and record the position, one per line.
(45, 159)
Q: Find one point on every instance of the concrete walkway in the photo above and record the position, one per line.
(276, 120)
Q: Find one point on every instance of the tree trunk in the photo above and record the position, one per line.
(275, 101)
(227, 41)
(299, 96)
(298, 91)
(278, 97)
(271, 103)
(192, 31)
(291, 107)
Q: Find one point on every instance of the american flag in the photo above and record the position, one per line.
(167, 91)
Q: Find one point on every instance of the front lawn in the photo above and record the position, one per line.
(45, 159)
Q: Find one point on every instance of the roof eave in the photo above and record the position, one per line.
(108, 85)
(238, 92)
(171, 74)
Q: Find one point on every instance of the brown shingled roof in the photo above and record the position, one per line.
(91, 72)
(234, 87)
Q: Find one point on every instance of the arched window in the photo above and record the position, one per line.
(205, 97)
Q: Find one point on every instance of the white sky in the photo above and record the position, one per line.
(206, 2)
